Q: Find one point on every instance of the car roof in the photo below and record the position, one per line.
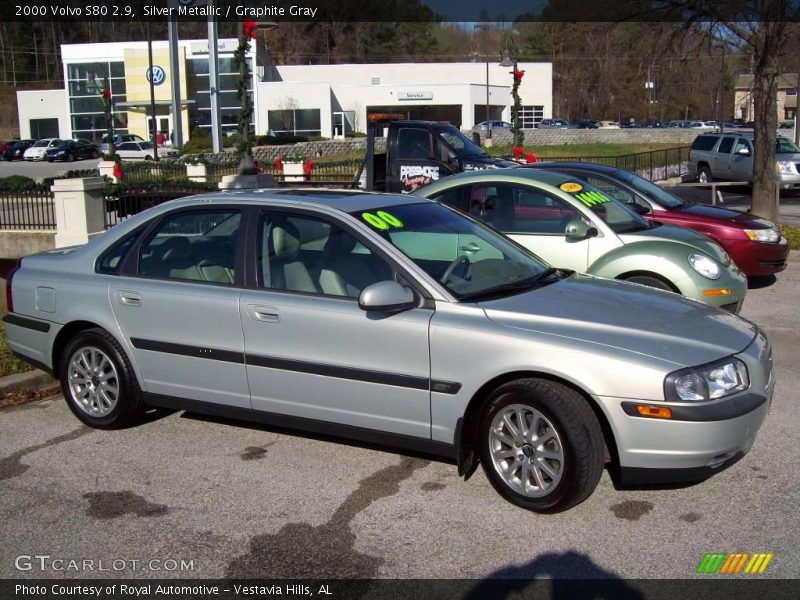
(342, 200)
(511, 174)
(582, 166)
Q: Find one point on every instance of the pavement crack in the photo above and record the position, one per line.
(11, 466)
(324, 551)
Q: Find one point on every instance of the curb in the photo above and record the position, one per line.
(35, 379)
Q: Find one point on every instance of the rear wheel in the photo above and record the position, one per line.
(541, 445)
(70, 158)
(704, 175)
(148, 158)
(98, 382)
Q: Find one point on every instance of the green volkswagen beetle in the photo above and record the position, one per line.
(575, 226)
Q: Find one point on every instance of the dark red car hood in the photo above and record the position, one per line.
(701, 213)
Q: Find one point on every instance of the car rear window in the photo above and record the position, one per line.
(704, 142)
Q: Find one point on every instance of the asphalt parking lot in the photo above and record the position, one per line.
(231, 500)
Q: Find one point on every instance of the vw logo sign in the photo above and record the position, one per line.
(157, 76)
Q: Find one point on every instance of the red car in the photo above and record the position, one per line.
(754, 243)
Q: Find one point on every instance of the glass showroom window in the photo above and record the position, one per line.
(531, 115)
(87, 113)
(229, 103)
(298, 121)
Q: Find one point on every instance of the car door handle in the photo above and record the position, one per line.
(469, 248)
(129, 298)
(266, 314)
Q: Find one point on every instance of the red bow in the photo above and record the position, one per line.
(278, 165)
(530, 157)
(517, 74)
(307, 166)
(250, 28)
(118, 174)
(517, 152)
(107, 95)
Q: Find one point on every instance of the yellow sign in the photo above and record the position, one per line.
(571, 187)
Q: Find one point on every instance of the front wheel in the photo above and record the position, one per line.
(541, 445)
(704, 175)
(650, 281)
(98, 381)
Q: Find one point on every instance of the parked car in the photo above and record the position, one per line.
(16, 150)
(143, 151)
(3, 147)
(70, 150)
(729, 157)
(587, 124)
(608, 125)
(38, 150)
(573, 225)
(119, 139)
(395, 320)
(555, 124)
(753, 243)
(492, 126)
(700, 125)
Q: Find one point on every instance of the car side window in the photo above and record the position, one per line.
(741, 144)
(517, 209)
(413, 144)
(188, 246)
(452, 197)
(299, 253)
(725, 145)
(126, 146)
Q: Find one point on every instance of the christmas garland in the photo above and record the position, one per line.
(246, 112)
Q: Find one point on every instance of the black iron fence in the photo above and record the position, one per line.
(27, 209)
(655, 165)
(124, 201)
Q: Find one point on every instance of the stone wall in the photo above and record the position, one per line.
(552, 137)
(16, 243)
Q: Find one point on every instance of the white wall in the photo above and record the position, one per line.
(43, 104)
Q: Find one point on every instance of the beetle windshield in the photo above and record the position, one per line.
(471, 260)
(650, 190)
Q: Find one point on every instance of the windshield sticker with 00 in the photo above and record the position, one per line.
(382, 220)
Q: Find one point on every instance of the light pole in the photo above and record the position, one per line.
(105, 91)
(516, 127)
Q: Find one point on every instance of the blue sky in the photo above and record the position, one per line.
(470, 10)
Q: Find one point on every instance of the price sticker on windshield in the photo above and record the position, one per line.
(570, 187)
(382, 220)
(592, 198)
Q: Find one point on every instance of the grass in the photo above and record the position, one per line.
(792, 235)
(10, 364)
(581, 150)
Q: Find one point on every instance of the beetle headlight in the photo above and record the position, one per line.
(763, 235)
(705, 266)
(708, 382)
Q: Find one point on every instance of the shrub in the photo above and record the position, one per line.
(355, 134)
(279, 140)
(792, 235)
(18, 183)
(197, 145)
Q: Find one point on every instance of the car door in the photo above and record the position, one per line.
(741, 168)
(177, 304)
(127, 149)
(533, 218)
(721, 159)
(414, 166)
(311, 352)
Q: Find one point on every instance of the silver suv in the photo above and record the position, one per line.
(729, 157)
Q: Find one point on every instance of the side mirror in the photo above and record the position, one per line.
(386, 296)
(642, 210)
(743, 151)
(579, 230)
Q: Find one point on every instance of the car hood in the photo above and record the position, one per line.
(627, 317)
(669, 233)
(715, 214)
(788, 156)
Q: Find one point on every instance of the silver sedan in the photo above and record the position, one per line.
(398, 321)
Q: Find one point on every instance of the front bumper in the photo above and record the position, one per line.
(701, 438)
(758, 258)
(731, 279)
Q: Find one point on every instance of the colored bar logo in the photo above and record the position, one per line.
(731, 564)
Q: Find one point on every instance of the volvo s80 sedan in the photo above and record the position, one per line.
(399, 321)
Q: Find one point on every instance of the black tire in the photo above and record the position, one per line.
(94, 155)
(704, 175)
(148, 158)
(70, 157)
(129, 405)
(650, 281)
(576, 427)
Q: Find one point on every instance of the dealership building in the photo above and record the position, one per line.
(309, 100)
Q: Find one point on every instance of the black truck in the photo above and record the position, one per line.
(419, 152)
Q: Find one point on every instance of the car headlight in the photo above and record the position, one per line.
(705, 266)
(764, 235)
(708, 382)
(784, 166)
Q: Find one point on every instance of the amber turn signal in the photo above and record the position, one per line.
(723, 292)
(659, 412)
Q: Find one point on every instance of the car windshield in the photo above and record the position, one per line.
(459, 142)
(42, 144)
(472, 261)
(650, 190)
(785, 146)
